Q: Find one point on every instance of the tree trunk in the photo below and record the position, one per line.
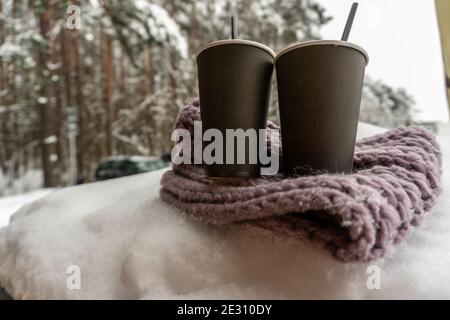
(3, 86)
(150, 123)
(108, 91)
(58, 107)
(44, 103)
(80, 106)
(193, 31)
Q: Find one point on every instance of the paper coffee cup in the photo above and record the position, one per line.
(235, 83)
(319, 92)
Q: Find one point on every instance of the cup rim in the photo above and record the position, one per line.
(234, 41)
(335, 43)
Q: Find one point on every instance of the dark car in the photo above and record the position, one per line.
(120, 166)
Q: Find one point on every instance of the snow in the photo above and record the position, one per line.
(42, 100)
(162, 27)
(89, 37)
(8, 50)
(51, 139)
(129, 244)
(10, 204)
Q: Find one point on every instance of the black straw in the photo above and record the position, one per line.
(234, 27)
(348, 25)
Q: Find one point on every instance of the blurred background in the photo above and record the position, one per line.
(89, 90)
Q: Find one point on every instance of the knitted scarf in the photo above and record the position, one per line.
(357, 217)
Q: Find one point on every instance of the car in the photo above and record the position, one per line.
(121, 166)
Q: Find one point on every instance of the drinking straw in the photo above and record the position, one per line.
(348, 25)
(234, 27)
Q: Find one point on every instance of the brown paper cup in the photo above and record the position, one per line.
(234, 82)
(319, 91)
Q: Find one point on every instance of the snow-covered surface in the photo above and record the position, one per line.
(10, 204)
(129, 244)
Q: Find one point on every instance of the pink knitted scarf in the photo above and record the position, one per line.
(396, 180)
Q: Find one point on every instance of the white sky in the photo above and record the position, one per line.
(402, 39)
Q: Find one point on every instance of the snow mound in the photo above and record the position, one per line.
(10, 204)
(128, 244)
